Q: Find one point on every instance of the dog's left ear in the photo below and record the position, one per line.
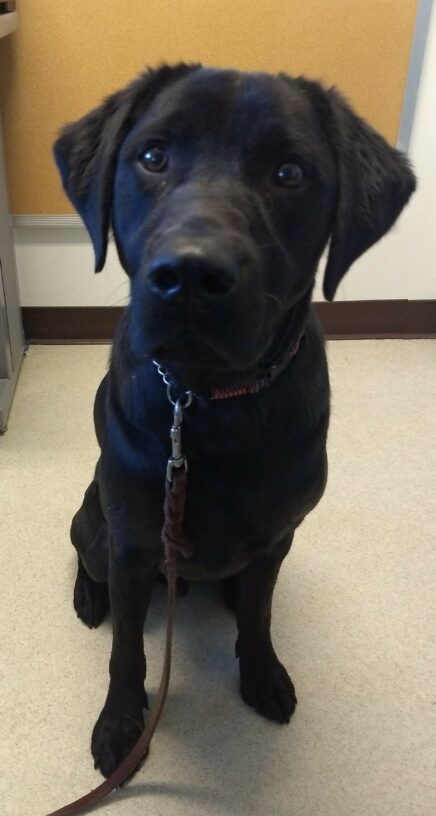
(375, 183)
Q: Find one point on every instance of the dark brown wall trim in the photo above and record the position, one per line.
(378, 319)
(345, 320)
(70, 324)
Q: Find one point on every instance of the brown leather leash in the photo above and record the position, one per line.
(174, 542)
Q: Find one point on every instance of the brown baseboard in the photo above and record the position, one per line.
(374, 319)
(70, 324)
(344, 320)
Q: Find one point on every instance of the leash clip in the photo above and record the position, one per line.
(177, 458)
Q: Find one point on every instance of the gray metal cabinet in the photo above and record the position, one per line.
(11, 329)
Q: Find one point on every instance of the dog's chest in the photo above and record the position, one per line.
(251, 479)
(239, 509)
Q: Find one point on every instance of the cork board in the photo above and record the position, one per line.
(66, 56)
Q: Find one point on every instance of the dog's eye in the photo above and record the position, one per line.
(154, 158)
(290, 174)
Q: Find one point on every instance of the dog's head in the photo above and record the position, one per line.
(223, 189)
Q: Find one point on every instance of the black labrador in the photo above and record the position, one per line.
(222, 190)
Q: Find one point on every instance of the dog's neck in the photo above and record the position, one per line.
(264, 381)
(233, 383)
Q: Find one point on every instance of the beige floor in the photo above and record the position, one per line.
(353, 618)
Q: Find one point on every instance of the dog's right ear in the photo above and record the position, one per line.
(85, 154)
(86, 151)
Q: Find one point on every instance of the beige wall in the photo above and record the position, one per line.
(55, 266)
(66, 56)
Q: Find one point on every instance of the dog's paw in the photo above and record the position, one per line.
(267, 687)
(114, 735)
(91, 600)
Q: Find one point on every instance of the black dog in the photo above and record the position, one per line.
(222, 190)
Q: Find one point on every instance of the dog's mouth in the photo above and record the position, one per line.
(199, 358)
(194, 352)
(196, 363)
(214, 340)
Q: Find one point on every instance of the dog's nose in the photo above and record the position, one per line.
(191, 272)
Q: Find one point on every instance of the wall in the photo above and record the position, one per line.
(66, 56)
(403, 264)
(55, 266)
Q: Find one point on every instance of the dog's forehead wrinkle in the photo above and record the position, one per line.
(196, 93)
(189, 110)
(221, 92)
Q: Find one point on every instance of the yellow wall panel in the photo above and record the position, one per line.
(67, 56)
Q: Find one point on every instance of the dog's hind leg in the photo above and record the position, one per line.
(231, 590)
(91, 599)
(90, 537)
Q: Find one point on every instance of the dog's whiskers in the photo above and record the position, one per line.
(122, 302)
(267, 245)
(121, 285)
(274, 298)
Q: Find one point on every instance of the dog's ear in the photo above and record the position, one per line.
(375, 183)
(86, 151)
(85, 154)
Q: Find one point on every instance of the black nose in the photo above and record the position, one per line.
(191, 273)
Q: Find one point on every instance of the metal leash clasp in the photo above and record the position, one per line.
(177, 458)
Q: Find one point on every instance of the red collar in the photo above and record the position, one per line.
(262, 382)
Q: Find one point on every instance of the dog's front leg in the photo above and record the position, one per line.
(265, 683)
(132, 573)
